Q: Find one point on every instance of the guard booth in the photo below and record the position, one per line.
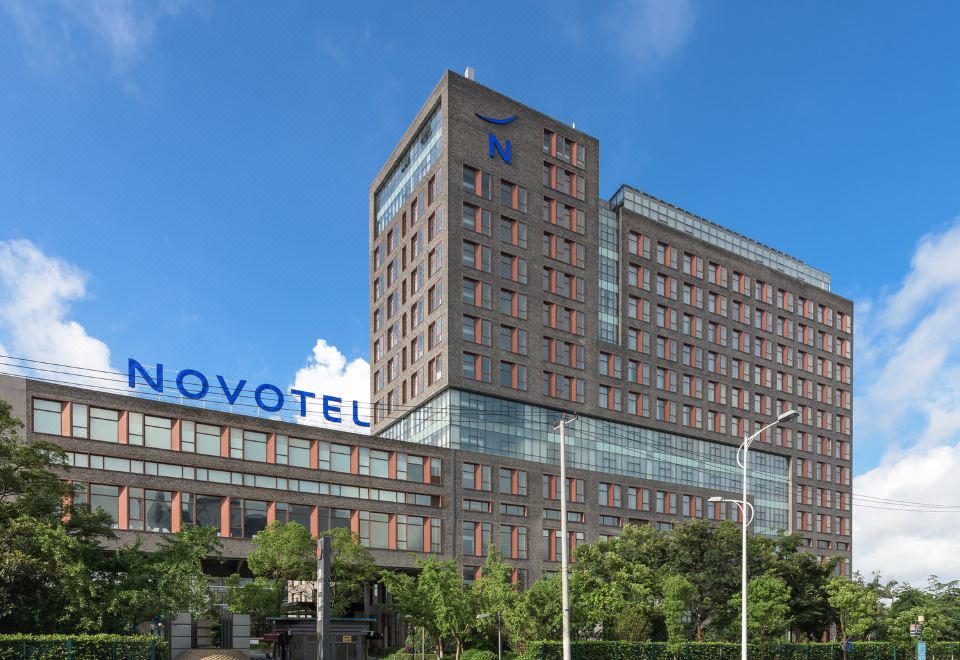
(295, 638)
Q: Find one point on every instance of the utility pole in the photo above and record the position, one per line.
(324, 638)
(565, 540)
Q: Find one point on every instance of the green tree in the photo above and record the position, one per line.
(352, 569)
(613, 591)
(678, 597)
(856, 606)
(438, 600)
(703, 553)
(768, 608)
(281, 552)
(537, 614)
(786, 558)
(53, 574)
(497, 597)
(170, 579)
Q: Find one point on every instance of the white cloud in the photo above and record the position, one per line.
(648, 32)
(908, 408)
(906, 545)
(328, 372)
(57, 33)
(35, 295)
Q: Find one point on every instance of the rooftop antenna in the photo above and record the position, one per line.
(470, 73)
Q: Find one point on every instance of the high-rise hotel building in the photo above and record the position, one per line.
(505, 293)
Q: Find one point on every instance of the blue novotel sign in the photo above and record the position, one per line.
(193, 384)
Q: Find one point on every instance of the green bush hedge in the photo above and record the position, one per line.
(478, 654)
(596, 650)
(82, 647)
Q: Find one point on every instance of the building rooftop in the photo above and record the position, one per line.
(698, 227)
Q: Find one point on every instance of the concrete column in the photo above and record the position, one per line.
(176, 511)
(241, 633)
(180, 635)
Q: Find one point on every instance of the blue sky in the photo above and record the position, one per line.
(192, 178)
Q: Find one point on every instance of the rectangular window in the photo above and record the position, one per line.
(106, 498)
(157, 432)
(79, 421)
(247, 517)
(46, 417)
(340, 458)
(374, 529)
(374, 462)
(255, 446)
(104, 425)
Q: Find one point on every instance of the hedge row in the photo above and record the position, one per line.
(82, 647)
(595, 650)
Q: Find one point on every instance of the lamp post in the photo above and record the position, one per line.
(423, 638)
(486, 615)
(744, 505)
(565, 539)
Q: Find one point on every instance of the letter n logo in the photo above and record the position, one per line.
(497, 148)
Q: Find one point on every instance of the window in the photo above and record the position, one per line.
(513, 232)
(150, 510)
(476, 182)
(476, 505)
(340, 458)
(410, 533)
(254, 446)
(104, 425)
(410, 468)
(247, 517)
(296, 513)
(513, 304)
(477, 367)
(157, 432)
(374, 462)
(513, 541)
(476, 219)
(106, 498)
(477, 331)
(298, 452)
(513, 482)
(478, 294)
(201, 510)
(513, 375)
(208, 439)
(476, 477)
(374, 529)
(79, 421)
(434, 297)
(46, 417)
(513, 196)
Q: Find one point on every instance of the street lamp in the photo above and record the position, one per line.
(423, 638)
(744, 505)
(486, 615)
(565, 540)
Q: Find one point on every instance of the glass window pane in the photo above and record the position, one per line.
(104, 425)
(46, 416)
(208, 439)
(157, 432)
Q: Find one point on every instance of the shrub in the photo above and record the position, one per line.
(82, 647)
(611, 650)
(478, 654)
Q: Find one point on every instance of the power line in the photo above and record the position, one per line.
(437, 412)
